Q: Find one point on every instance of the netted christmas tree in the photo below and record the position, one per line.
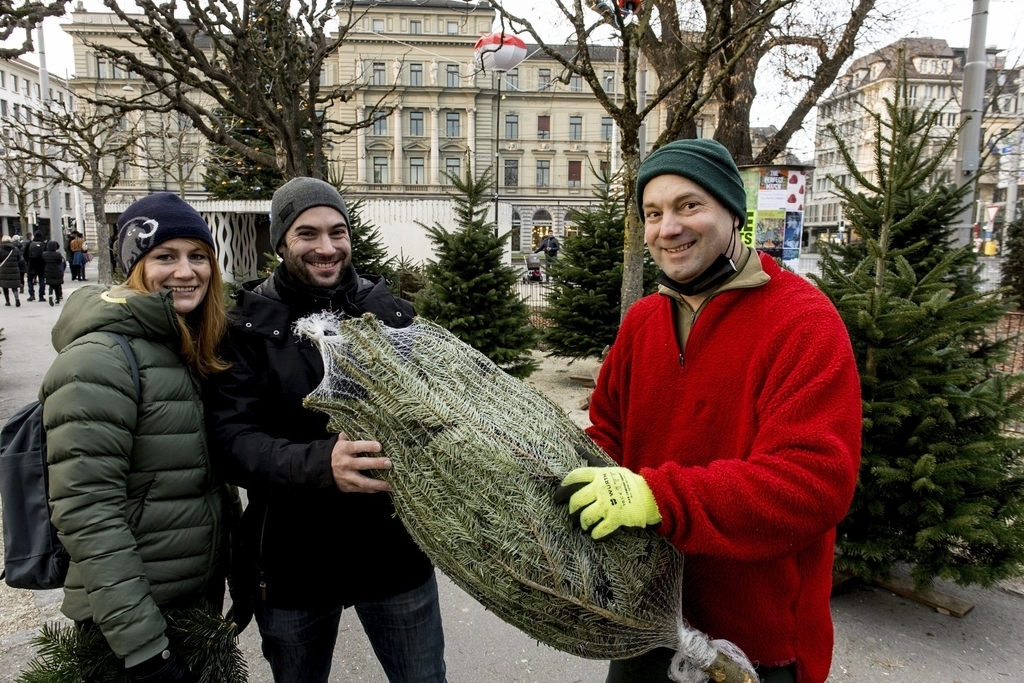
(941, 484)
(477, 457)
(585, 300)
(1013, 262)
(470, 289)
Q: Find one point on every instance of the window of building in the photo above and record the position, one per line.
(940, 92)
(576, 83)
(543, 173)
(379, 74)
(378, 26)
(912, 95)
(38, 92)
(607, 128)
(452, 169)
(453, 28)
(575, 127)
(575, 173)
(511, 126)
(415, 27)
(512, 78)
(541, 226)
(950, 119)
(380, 123)
(16, 110)
(3, 108)
(46, 200)
(543, 79)
(415, 74)
(3, 79)
(543, 127)
(605, 168)
(101, 68)
(511, 172)
(451, 124)
(517, 234)
(452, 71)
(67, 200)
(416, 123)
(380, 170)
(417, 172)
(699, 123)
(14, 83)
(608, 80)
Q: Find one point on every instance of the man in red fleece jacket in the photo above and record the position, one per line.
(731, 400)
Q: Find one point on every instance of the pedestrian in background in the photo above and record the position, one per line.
(12, 265)
(34, 251)
(77, 257)
(53, 271)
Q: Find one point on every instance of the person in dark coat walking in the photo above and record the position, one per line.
(53, 270)
(34, 251)
(319, 532)
(12, 263)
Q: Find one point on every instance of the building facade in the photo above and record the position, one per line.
(547, 136)
(26, 194)
(934, 77)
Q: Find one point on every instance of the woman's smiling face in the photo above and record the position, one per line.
(182, 266)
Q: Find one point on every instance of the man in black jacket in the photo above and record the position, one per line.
(34, 251)
(318, 532)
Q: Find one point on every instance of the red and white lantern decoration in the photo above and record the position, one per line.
(499, 51)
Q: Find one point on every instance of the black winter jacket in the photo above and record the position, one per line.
(12, 265)
(307, 542)
(53, 270)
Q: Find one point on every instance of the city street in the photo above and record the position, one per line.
(879, 636)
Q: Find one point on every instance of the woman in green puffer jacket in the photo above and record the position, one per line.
(132, 493)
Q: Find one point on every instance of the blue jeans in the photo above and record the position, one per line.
(404, 630)
(42, 286)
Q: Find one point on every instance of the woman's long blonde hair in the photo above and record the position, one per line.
(203, 328)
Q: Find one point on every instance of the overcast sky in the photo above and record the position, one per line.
(949, 19)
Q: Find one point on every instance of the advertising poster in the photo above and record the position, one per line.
(775, 210)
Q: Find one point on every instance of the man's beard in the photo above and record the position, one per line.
(299, 270)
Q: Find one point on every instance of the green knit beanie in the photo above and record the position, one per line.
(705, 162)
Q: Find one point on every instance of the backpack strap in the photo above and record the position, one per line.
(123, 343)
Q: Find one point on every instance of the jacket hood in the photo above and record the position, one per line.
(52, 245)
(93, 308)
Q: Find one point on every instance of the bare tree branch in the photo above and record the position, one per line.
(25, 17)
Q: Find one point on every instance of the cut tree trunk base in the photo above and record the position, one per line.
(940, 602)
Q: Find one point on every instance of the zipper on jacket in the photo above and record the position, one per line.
(259, 563)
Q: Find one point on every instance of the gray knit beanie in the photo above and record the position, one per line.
(154, 219)
(705, 162)
(294, 197)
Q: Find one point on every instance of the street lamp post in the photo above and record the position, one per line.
(499, 52)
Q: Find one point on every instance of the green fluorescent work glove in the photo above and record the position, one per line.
(608, 497)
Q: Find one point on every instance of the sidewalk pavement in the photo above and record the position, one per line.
(879, 636)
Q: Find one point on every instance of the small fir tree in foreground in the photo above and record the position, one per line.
(1013, 262)
(584, 302)
(470, 290)
(369, 255)
(941, 484)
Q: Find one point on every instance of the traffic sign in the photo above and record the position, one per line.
(991, 210)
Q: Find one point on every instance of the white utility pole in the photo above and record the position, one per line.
(56, 226)
(968, 154)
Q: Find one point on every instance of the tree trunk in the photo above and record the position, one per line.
(101, 250)
(633, 241)
(737, 96)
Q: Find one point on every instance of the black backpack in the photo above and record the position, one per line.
(33, 556)
(36, 249)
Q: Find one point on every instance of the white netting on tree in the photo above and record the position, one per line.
(476, 458)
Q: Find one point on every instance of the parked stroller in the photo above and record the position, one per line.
(533, 273)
